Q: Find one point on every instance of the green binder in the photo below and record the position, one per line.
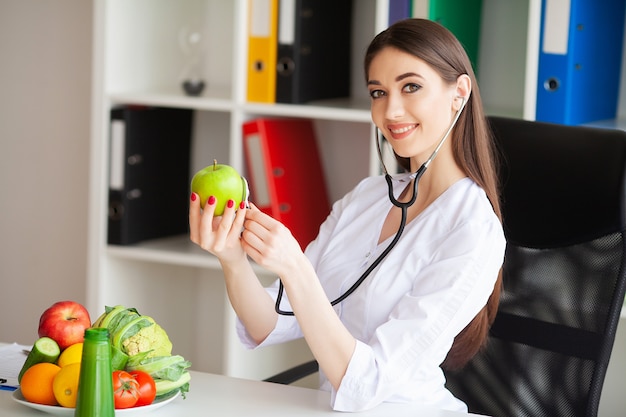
(461, 17)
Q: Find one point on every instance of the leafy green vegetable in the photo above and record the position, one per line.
(150, 339)
(132, 334)
(166, 388)
(161, 367)
(118, 358)
(128, 328)
(139, 343)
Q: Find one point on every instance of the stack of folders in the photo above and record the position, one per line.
(298, 50)
(148, 173)
(285, 174)
(461, 17)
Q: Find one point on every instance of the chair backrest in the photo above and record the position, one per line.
(564, 213)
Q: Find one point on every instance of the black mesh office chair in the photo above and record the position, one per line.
(564, 215)
(564, 276)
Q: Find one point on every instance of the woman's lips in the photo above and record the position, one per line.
(401, 131)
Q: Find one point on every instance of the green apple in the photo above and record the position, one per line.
(221, 181)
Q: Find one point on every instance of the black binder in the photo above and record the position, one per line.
(149, 173)
(314, 42)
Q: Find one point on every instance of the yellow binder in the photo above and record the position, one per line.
(262, 50)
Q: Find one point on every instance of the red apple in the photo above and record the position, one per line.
(65, 323)
(222, 182)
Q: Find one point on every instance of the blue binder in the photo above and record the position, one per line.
(579, 60)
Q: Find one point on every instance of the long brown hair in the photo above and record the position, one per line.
(472, 144)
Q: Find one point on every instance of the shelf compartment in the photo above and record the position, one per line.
(151, 45)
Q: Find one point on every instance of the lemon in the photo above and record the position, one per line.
(65, 385)
(71, 354)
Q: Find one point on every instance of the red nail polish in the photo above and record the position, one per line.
(193, 196)
(242, 205)
(211, 200)
(230, 203)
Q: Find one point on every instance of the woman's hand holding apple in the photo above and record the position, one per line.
(217, 211)
(218, 235)
(221, 224)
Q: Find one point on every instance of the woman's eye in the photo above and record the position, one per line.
(376, 93)
(411, 88)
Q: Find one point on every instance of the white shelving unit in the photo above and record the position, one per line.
(138, 60)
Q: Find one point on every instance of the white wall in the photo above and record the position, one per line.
(45, 77)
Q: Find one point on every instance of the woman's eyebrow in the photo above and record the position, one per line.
(407, 75)
(398, 78)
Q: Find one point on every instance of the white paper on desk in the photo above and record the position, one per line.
(12, 358)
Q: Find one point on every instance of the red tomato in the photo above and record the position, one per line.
(125, 389)
(147, 387)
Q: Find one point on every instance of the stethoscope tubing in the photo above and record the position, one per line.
(404, 209)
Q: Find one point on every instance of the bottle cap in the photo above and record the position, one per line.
(97, 333)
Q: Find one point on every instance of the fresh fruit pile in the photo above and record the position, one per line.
(50, 374)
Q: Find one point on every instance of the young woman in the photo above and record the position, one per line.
(430, 302)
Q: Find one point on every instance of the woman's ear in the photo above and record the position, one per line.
(463, 89)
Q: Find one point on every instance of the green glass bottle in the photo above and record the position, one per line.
(95, 389)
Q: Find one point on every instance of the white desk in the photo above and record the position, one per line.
(216, 395)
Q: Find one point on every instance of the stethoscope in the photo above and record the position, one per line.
(403, 207)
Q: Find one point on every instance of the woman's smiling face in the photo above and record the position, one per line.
(410, 103)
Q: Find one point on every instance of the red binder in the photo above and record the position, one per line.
(285, 174)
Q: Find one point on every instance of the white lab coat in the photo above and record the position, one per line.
(408, 311)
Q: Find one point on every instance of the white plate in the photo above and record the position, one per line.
(69, 412)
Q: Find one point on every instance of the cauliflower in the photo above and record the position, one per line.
(138, 342)
(133, 334)
(151, 339)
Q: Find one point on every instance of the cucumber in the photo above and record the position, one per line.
(45, 349)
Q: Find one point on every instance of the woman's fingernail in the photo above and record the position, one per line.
(230, 203)
(193, 197)
(242, 205)
(211, 200)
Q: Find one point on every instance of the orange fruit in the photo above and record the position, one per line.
(71, 354)
(36, 384)
(65, 385)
